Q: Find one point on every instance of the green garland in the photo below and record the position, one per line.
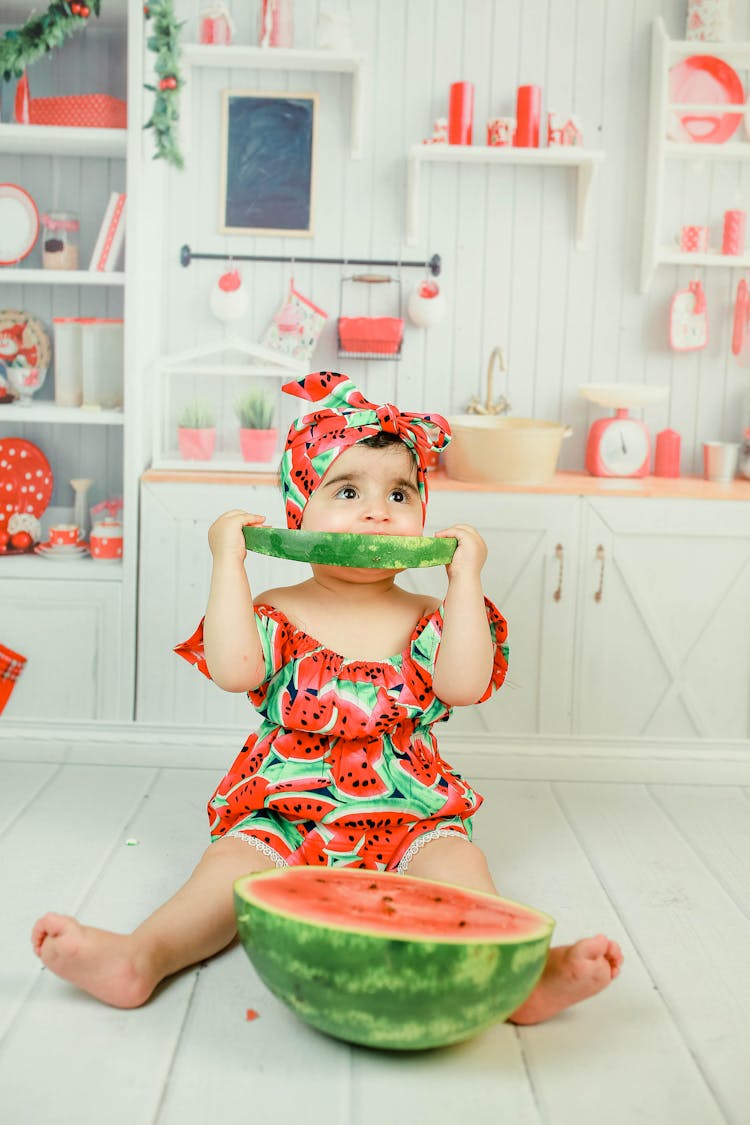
(40, 34)
(165, 43)
(20, 47)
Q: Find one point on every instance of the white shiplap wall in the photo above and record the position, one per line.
(510, 268)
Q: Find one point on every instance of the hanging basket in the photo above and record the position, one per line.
(370, 337)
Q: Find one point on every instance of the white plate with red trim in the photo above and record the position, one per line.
(19, 224)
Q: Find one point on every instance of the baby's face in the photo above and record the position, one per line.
(369, 492)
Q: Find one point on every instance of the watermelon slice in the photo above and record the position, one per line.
(389, 960)
(338, 548)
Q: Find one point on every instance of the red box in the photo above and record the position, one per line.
(91, 111)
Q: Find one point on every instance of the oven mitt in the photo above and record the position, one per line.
(688, 319)
(295, 328)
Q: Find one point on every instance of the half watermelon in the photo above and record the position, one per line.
(388, 960)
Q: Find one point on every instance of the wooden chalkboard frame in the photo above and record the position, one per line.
(253, 128)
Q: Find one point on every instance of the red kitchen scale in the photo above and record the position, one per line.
(620, 446)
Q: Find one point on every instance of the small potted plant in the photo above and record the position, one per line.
(255, 411)
(196, 431)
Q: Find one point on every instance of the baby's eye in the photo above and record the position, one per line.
(348, 492)
(399, 496)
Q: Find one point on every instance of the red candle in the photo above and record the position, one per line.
(460, 113)
(528, 114)
(667, 456)
(733, 240)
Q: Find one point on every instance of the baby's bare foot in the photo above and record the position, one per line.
(98, 961)
(572, 973)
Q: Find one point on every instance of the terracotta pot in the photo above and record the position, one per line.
(258, 445)
(196, 445)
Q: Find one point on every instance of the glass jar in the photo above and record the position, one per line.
(60, 240)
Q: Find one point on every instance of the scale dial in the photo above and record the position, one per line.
(618, 447)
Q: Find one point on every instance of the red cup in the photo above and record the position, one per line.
(64, 535)
(528, 115)
(733, 241)
(460, 113)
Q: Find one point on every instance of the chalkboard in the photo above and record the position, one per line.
(268, 163)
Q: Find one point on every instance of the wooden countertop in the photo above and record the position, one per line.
(562, 484)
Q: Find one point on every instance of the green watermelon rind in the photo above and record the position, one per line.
(384, 990)
(391, 552)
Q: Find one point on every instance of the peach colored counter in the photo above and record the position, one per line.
(563, 484)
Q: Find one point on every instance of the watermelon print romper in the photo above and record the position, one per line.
(344, 770)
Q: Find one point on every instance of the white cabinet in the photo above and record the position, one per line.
(663, 619)
(69, 631)
(626, 617)
(700, 177)
(530, 576)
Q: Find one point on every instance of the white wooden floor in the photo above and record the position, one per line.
(663, 868)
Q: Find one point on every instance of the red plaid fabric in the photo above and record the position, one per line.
(11, 666)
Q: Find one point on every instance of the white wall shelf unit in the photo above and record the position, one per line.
(60, 140)
(287, 58)
(585, 161)
(665, 53)
(17, 275)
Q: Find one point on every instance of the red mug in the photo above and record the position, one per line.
(64, 535)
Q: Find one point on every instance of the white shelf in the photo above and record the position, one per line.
(17, 275)
(40, 412)
(35, 566)
(60, 140)
(586, 161)
(666, 256)
(732, 152)
(171, 461)
(283, 58)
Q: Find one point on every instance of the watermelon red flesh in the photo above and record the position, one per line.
(388, 960)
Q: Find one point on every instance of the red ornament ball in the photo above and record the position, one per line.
(75, 9)
(168, 83)
(84, 11)
(21, 541)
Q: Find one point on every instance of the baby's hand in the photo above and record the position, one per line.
(470, 553)
(225, 536)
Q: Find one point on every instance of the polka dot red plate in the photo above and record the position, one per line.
(26, 480)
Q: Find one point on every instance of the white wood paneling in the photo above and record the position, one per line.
(506, 235)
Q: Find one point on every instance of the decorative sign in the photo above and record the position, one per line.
(268, 162)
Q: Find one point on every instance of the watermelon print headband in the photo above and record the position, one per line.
(345, 417)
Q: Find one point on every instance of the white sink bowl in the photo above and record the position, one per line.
(492, 448)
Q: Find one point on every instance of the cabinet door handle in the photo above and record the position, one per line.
(600, 560)
(560, 556)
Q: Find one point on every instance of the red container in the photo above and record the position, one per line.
(733, 241)
(528, 116)
(94, 111)
(667, 456)
(460, 113)
(380, 334)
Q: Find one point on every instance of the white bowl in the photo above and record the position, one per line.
(627, 395)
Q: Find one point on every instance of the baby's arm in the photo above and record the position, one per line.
(233, 649)
(464, 664)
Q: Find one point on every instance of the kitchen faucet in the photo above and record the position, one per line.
(502, 406)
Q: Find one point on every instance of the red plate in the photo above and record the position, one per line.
(705, 80)
(26, 480)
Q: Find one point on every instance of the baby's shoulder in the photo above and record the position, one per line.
(279, 597)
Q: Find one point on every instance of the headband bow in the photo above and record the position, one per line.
(345, 417)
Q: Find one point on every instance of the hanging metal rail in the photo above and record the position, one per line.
(187, 256)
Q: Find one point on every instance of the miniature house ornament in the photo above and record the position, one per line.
(229, 299)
